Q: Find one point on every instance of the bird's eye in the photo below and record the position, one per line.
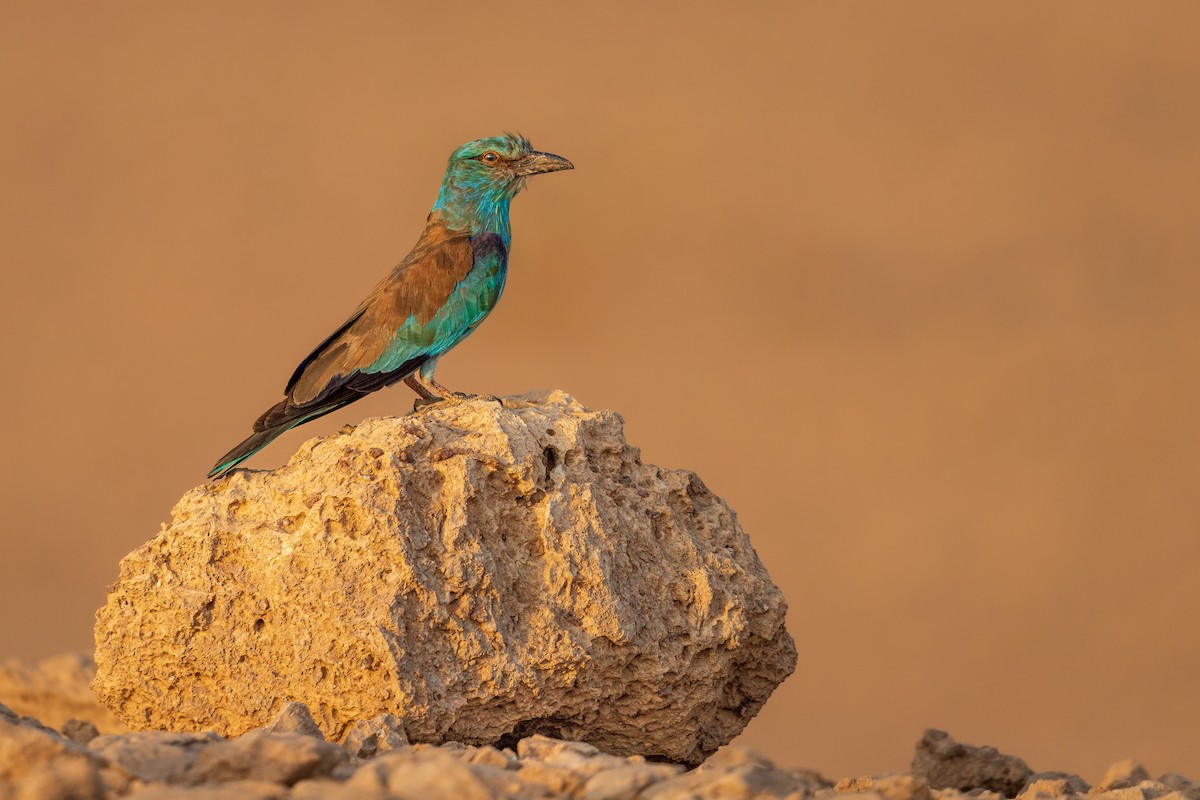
(489, 157)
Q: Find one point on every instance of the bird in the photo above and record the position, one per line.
(432, 300)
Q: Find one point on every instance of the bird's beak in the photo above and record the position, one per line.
(536, 163)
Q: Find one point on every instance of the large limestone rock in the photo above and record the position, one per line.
(482, 570)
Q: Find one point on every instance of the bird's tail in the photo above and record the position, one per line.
(275, 421)
(255, 442)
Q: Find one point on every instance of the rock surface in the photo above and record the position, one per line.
(38, 762)
(273, 764)
(482, 570)
(946, 764)
(56, 690)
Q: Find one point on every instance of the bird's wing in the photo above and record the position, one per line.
(387, 337)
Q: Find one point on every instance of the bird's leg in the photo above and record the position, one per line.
(430, 391)
(424, 396)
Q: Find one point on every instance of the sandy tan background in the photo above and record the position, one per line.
(914, 287)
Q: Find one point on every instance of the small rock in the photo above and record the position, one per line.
(117, 781)
(977, 794)
(555, 780)
(902, 787)
(730, 757)
(946, 764)
(545, 748)
(1041, 788)
(153, 755)
(413, 775)
(491, 757)
(272, 757)
(368, 737)
(1126, 793)
(1124, 774)
(1185, 786)
(38, 763)
(10, 716)
(295, 717)
(627, 781)
(1054, 784)
(79, 731)
(578, 757)
(955, 794)
(237, 790)
(64, 780)
(1153, 788)
(737, 783)
(456, 749)
(507, 783)
(326, 789)
(893, 787)
(855, 785)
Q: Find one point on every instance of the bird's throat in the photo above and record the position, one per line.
(479, 208)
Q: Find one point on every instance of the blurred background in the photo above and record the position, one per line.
(913, 286)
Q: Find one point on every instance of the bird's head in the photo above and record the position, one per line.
(487, 173)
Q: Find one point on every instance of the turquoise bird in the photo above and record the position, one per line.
(433, 300)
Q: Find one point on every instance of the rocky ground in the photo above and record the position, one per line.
(289, 758)
(449, 605)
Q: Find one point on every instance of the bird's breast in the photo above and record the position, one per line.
(472, 299)
(489, 247)
(485, 282)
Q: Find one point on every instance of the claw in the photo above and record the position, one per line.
(456, 397)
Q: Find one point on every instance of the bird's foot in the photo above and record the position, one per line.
(453, 397)
(487, 398)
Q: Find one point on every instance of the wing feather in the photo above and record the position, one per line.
(369, 350)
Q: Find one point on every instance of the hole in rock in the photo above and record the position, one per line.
(546, 726)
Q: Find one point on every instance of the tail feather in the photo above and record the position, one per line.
(255, 442)
(283, 416)
(261, 438)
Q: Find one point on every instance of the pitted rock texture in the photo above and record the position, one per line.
(482, 570)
